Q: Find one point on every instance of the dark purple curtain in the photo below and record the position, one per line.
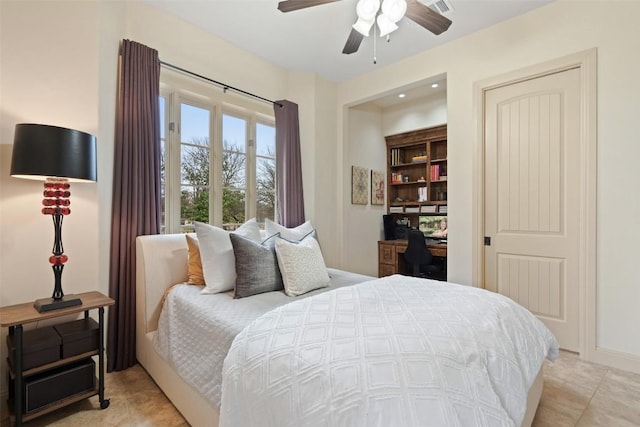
(290, 200)
(136, 191)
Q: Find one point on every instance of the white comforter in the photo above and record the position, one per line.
(396, 351)
(195, 331)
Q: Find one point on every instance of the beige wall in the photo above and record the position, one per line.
(418, 114)
(48, 77)
(363, 223)
(553, 31)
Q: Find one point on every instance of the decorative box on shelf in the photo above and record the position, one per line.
(55, 385)
(428, 209)
(40, 346)
(78, 337)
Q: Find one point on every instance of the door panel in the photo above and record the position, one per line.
(532, 198)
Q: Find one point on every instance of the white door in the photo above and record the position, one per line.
(532, 198)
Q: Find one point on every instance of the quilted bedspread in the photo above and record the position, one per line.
(195, 331)
(395, 351)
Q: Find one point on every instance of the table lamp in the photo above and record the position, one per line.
(58, 156)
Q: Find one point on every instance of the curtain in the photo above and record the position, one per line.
(136, 191)
(289, 195)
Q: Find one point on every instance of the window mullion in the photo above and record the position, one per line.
(215, 202)
(173, 167)
(250, 191)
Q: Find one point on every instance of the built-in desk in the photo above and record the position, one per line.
(391, 261)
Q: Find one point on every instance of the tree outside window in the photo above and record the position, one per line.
(194, 197)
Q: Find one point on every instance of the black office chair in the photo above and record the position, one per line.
(419, 257)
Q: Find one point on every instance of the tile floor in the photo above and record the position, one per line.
(576, 393)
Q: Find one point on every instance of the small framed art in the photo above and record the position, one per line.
(377, 188)
(359, 185)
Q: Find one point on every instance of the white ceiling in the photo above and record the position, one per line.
(312, 39)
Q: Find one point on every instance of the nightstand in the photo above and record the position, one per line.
(15, 317)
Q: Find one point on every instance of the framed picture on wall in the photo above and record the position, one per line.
(377, 188)
(359, 185)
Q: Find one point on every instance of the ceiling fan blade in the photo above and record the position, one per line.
(353, 42)
(427, 18)
(291, 5)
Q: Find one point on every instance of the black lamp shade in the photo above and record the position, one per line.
(41, 151)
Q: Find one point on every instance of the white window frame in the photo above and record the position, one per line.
(179, 90)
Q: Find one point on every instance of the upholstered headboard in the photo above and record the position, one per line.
(161, 262)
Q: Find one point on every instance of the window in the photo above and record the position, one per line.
(195, 156)
(218, 162)
(234, 168)
(265, 172)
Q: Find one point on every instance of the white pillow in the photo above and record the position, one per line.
(296, 233)
(250, 230)
(216, 253)
(301, 265)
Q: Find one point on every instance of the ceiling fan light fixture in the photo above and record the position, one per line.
(394, 10)
(367, 9)
(385, 25)
(363, 26)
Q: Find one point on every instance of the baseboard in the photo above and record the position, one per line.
(616, 359)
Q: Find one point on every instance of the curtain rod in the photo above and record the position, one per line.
(224, 86)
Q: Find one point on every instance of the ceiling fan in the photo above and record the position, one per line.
(391, 11)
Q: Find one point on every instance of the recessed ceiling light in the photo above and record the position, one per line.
(435, 85)
(402, 95)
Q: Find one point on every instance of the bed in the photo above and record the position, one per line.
(162, 262)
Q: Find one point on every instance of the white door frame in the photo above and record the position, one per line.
(586, 61)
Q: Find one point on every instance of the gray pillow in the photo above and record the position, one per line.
(256, 266)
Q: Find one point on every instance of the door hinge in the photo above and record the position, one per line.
(487, 241)
(172, 126)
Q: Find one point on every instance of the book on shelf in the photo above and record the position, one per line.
(420, 158)
(437, 173)
(399, 178)
(396, 209)
(442, 209)
(412, 209)
(396, 156)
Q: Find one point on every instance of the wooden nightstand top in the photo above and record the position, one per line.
(20, 314)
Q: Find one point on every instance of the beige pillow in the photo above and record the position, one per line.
(195, 274)
(301, 265)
